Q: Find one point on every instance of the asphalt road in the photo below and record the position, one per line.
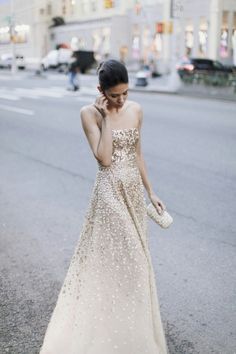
(46, 176)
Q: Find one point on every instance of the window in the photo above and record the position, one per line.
(224, 35)
(108, 4)
(94, 5)
(106, 33)
(203, 29)
(49, 9)
(189, 39)
(85, 6)
(234, 39)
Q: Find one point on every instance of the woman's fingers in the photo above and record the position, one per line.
(162, 205)
(98, 109)
(159, 209)
(102, 101)
(159, 205)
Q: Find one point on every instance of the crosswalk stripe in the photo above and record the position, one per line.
(8, 96)
(9, 78)
(17, 110)
(89, 90)
(84, 99)
(85, 94)
(22, 92)
(46, 92)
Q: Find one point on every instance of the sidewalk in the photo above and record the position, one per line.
(171, 84)
(166, 84)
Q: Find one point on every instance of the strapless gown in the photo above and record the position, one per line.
(108, 302)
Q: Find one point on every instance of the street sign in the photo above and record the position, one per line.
(108, 4)
(177, 8)
(6, 18)
(165, 27)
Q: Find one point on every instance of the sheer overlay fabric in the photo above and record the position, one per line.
(108, 302)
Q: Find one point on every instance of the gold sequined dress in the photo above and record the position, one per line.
(108, 303)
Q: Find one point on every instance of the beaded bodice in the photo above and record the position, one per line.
(124, 145)
(108, 303)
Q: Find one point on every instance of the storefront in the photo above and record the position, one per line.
(227, 45)
(132, 36)
(92, 35)
(209, 30)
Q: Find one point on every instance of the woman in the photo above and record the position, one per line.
(108, 302)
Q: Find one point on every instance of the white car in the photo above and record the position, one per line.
(56, 58)
(6, 61)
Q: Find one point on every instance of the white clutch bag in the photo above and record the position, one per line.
(164, 220)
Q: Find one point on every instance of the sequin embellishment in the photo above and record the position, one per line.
(108, 302)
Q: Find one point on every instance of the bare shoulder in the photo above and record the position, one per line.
(135, 106)
(88, 110)
(89, 115)
(137, 110)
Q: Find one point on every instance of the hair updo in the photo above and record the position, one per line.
(111, 73)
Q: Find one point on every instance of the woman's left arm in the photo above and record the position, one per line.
(143, 170)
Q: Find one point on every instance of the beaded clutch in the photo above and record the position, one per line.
(163, 220)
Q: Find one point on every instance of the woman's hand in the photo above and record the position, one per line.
(159, 205)
(101, 104)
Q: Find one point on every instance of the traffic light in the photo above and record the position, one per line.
(164, 27)
(159, 27)
(108, 4)
(137, 8)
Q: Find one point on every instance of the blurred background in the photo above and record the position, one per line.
(181, 58)
(146, 31)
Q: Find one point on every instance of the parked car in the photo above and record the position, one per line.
(61, 59)
(6, 61)
(57, 58)
(145, 68)
(193, 65)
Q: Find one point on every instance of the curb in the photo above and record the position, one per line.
(136, 89)
(208, 97)
(184, 94)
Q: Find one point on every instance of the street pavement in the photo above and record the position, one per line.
(47, 174)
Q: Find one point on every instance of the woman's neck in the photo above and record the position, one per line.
(117, 110)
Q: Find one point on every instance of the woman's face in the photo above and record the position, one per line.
(117, 95)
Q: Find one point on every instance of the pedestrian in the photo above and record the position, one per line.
(108, 302)
(73, 73)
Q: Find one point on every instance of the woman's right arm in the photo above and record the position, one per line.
(100, 141)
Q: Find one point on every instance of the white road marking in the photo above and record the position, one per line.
(85, 94)
(22, 92)
(56, 77)
(85, 99)
(9, 78)
(6, 95)
(46, 92)
(63, 91)
(83, 90)
(89, 90)
(17, 110)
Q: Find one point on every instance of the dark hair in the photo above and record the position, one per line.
(111, 73)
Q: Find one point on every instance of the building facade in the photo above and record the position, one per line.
(208, 29)
(131, 30)
(25, 22)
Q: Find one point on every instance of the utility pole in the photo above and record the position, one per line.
(214, 29)
(12, 37)
(176, 12)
